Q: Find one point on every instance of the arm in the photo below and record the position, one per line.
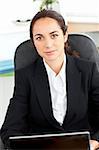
(94, 107)
(16, 118)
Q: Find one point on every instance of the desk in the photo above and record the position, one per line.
(82, 27)
(92, 29)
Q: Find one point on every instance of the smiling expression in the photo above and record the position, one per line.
(49, 39)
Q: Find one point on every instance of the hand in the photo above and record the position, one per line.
(94, 144)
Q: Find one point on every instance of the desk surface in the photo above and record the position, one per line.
(82, 27)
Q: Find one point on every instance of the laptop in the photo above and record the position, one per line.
(62, 141)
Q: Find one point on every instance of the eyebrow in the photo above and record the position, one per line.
(53, 32)
(42, 35)
(38, 35)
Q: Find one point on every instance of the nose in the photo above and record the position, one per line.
(48, 43)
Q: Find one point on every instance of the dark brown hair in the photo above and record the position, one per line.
(60, 20)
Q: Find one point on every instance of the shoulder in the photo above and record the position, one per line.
(82, 64)
(28, 70)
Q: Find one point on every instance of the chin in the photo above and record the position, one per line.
(51, 59)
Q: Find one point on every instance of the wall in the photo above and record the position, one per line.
(6, 91)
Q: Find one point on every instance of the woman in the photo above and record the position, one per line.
(58, 92)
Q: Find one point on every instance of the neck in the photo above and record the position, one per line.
(56, 65)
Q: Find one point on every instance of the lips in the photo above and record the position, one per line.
(50, 52)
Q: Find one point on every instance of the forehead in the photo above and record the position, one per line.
(45, 24)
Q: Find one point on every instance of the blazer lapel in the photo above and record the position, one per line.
(43, 92)
(73, 85)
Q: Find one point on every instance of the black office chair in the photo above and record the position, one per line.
(25, 53)
(85, 46)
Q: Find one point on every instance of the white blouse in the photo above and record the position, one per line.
(58, 91)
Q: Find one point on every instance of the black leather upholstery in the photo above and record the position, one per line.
(85, 46)
(25, 54)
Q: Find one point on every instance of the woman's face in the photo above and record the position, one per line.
(49, 39)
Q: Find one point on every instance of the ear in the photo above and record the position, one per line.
(66, 37)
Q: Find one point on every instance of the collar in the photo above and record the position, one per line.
(52, 74)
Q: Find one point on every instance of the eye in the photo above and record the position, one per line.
(54, 36)
(38, 38)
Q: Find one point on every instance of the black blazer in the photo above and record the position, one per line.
(30, 109)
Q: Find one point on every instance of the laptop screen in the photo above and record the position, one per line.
(64, 141)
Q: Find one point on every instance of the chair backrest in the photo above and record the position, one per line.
(85, 46)
(25, 53)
